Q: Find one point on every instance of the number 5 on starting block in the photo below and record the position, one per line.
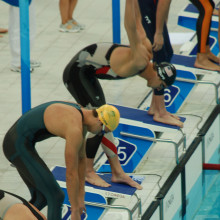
(130, 150)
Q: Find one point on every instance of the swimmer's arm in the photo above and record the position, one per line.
(130, 23)
(74, 140)
(162, 15)
(82, 171)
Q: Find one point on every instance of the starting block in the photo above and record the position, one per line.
(130, 150)
(188, 19)
(139, 117)
(14, 2)
(186, 64)
(95, 197)
(134, 138)
(178, 93)
(92, 212)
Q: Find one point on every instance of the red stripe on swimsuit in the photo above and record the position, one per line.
(103, 70)
(109, 144)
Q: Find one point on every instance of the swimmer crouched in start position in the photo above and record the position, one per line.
(70, 122)
(113, 62)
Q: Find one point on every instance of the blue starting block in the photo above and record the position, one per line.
(116, 190)
(188, 19)
(130, 150)
(14, 2)
(188, 62)
(95, 197)
(92, 212)
(174, 97)
(134, 138)
(139, 117)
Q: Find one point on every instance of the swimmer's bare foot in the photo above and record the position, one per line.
(203, 62)
(213, 58)
(118, 174)
(150, 111)
(94, 179)
(160, 114)
(123, 178)
(169, 119)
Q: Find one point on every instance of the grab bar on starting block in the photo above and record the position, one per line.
(176, 145)
(202, 82)
(214, 29)
(130, 212)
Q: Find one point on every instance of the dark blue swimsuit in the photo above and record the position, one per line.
(19, 148)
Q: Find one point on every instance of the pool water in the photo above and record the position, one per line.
(210, 206)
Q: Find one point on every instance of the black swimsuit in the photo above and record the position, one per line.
(81, 73)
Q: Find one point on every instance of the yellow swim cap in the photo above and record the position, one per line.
(109, 116)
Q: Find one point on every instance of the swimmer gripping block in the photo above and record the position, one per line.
(130, 150)
(94, 194)
(92, 212)
(14, 2)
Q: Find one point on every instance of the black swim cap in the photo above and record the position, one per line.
(167, 72)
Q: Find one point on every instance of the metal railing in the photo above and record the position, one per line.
(147, 138)
(130, 211)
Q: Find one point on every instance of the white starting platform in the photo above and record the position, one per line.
(198, 76)
(191, 85)
(135, 136)
(96, 198)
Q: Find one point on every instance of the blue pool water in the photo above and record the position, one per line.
(209, 208)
